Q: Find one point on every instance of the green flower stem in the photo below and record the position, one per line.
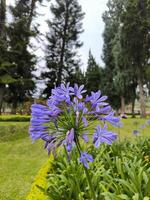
(87, 174)
(78, 187)
(90, 183)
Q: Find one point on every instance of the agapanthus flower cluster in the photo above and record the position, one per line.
(69, 118)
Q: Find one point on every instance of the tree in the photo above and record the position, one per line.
(120, 83)
(77, 76)
(63, 42)
(20, 32)
(93, 77)
(5, 65)
(110, 18)
(136, 41)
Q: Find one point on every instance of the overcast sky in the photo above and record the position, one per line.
(94, 27)
(92, 24)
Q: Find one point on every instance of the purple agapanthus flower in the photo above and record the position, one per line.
(102, 135)
(85, 158)
(136, 132)
(67, 117)
(84, 120)
(85, 137)
(142, 126)
(78, 91)
(69, 140)
(96, 99)
(62, 93)
(111, 119)
(148, 122)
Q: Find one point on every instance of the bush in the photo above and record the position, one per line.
(120, 171)
(11, 131)
(14, 118)
(40, 182)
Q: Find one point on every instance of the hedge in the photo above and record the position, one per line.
(15, 118)
(11, 131)
(40, 180)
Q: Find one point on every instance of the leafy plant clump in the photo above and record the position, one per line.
(120, 171)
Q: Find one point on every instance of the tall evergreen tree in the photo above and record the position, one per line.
(120, 83)
(93, 74)
(136, 41)
(63, 42)
(77, 76)
(20, 31)
(5, 65)
(110, 18)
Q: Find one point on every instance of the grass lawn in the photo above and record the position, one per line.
(20, 160)
(131, 124)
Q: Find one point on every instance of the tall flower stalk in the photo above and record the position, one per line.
(67, 119)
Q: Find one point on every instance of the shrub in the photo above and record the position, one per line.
(14, 118)
(13, 130)
(40, 182)
(120, 171)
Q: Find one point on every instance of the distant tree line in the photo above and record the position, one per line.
(126, 51)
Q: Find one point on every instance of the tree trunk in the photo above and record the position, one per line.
(33, 2)
(2, 88)
(132, 109)
(122, 105)
(14, 107)
(61, 63)
(142, 100)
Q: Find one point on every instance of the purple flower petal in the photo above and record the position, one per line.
(102, 135)
(84, 120)
(85, 137)
(85, 158)
(69, 140)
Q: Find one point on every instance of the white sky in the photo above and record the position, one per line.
(94, 27)
(92, 24)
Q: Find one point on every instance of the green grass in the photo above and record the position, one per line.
(131, 124)
(20, 160)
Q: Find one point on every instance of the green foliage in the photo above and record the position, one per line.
(63, 42)
(15, 118)
(126, 50)
(135, 40)
(19, 34)
(120, 171)
(94, 75)
(40, 182)
(76, 76)
(10, 131)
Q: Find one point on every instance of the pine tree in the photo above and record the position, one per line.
(63, 42)
(5, 65)
(77, 76)
(93, 74)
(19, 32)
